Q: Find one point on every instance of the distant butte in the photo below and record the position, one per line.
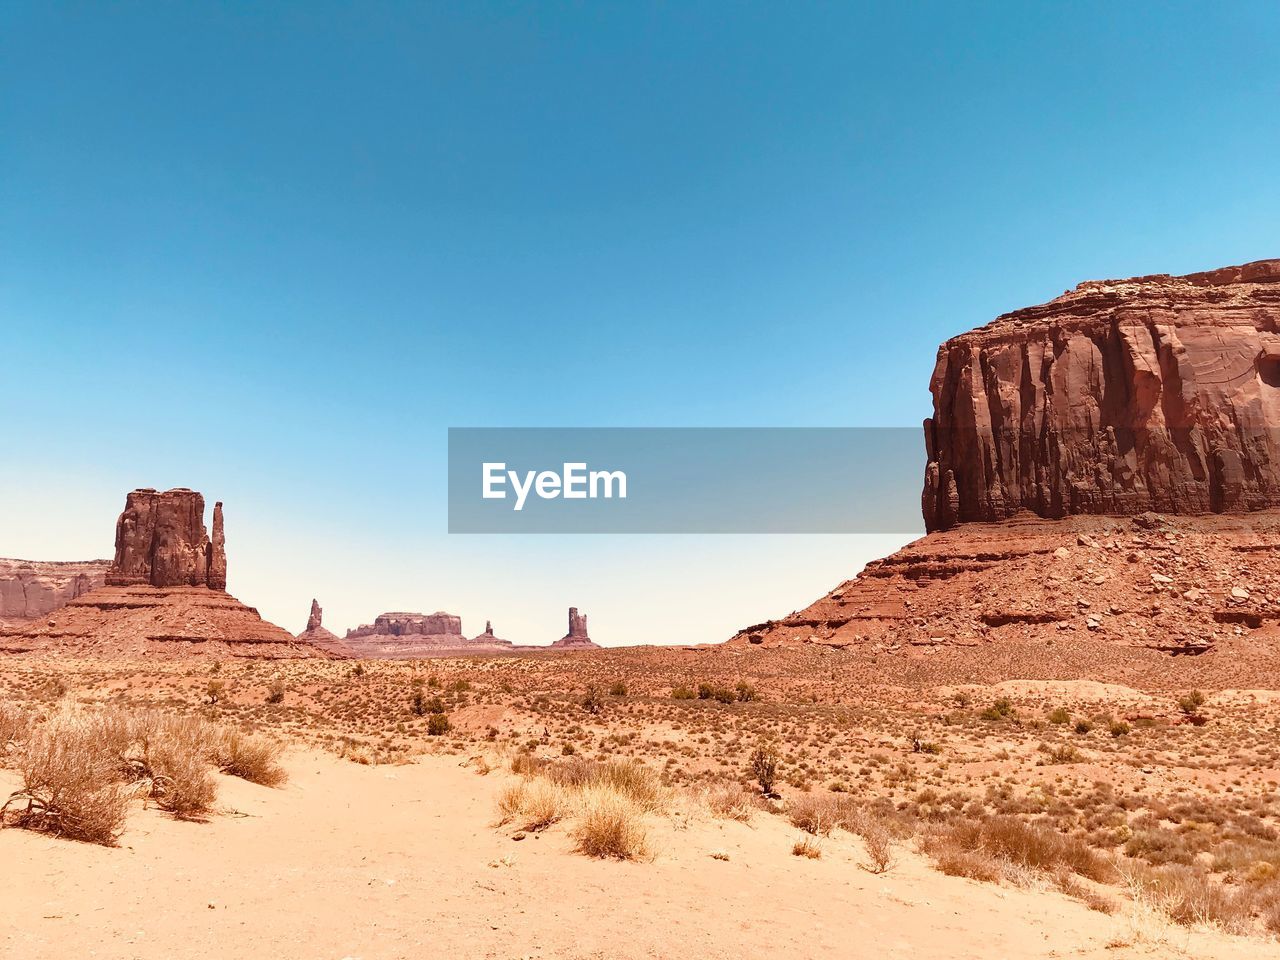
(164, 594)
(1104, 465)
(318, 636)
(577, 637)
(413, 635)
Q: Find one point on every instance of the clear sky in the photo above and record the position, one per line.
(273, 251)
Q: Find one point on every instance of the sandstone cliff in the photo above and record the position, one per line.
(30, 588)
(1057, 431)
(1121, 396)
(161, 540)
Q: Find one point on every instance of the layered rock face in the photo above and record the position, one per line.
(1103, 469)
(1156, 393)
(414, 635)
(164, 595)
(318, 636)
(577, 637)
(30, 588)
(161, 540)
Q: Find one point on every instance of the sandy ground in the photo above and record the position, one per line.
(351, 861)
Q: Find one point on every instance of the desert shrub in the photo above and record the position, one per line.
(249, 757)
(731, 801)
(1159, 845)
(706, 691)
(610, 824)
(70, 785)
(814, 815)
(1083, 726)
(1059, 716)
(682, 693)
(1189, 896)
(275, 692)
(1000, 710)
(437, 725)
(1030, 845)
(764, 768)
(746, 692)
(526, 764)
(15, 723)
(618, 689)
(878, 839)
(215, 690)
(1118, 728)
(1060, 753)
(593, 700)
(164, 757)
(1191, 703)
(418, 703)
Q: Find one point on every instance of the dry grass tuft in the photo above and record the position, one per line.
(807, 846)
(249, 757)
(606, 802)
(610, 824)
(533, 804)
(730, 801)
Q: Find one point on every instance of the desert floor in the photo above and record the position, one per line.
(387, 841)
(353, 861)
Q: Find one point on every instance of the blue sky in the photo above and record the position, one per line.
(273, 253)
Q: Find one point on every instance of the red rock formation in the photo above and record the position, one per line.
(318, 636)
(1121, 396)
(163, 596)
(413, 635)
(576, 638)
(161, 540)
(31, 588)
(1117, 398)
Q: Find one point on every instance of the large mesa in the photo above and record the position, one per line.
(1103, 474)
(1155, 393)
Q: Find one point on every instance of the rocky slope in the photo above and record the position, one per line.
(31, 588)
(164, 595)
(1121, 396)
(1057, 431)
(1178, 584)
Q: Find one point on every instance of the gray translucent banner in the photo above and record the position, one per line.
(686, 480)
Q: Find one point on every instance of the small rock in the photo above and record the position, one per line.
(1062, 553)
(1160, 578)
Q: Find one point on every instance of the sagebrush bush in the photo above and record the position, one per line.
(70, 785)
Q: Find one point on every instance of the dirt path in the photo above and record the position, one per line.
(382, 863)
